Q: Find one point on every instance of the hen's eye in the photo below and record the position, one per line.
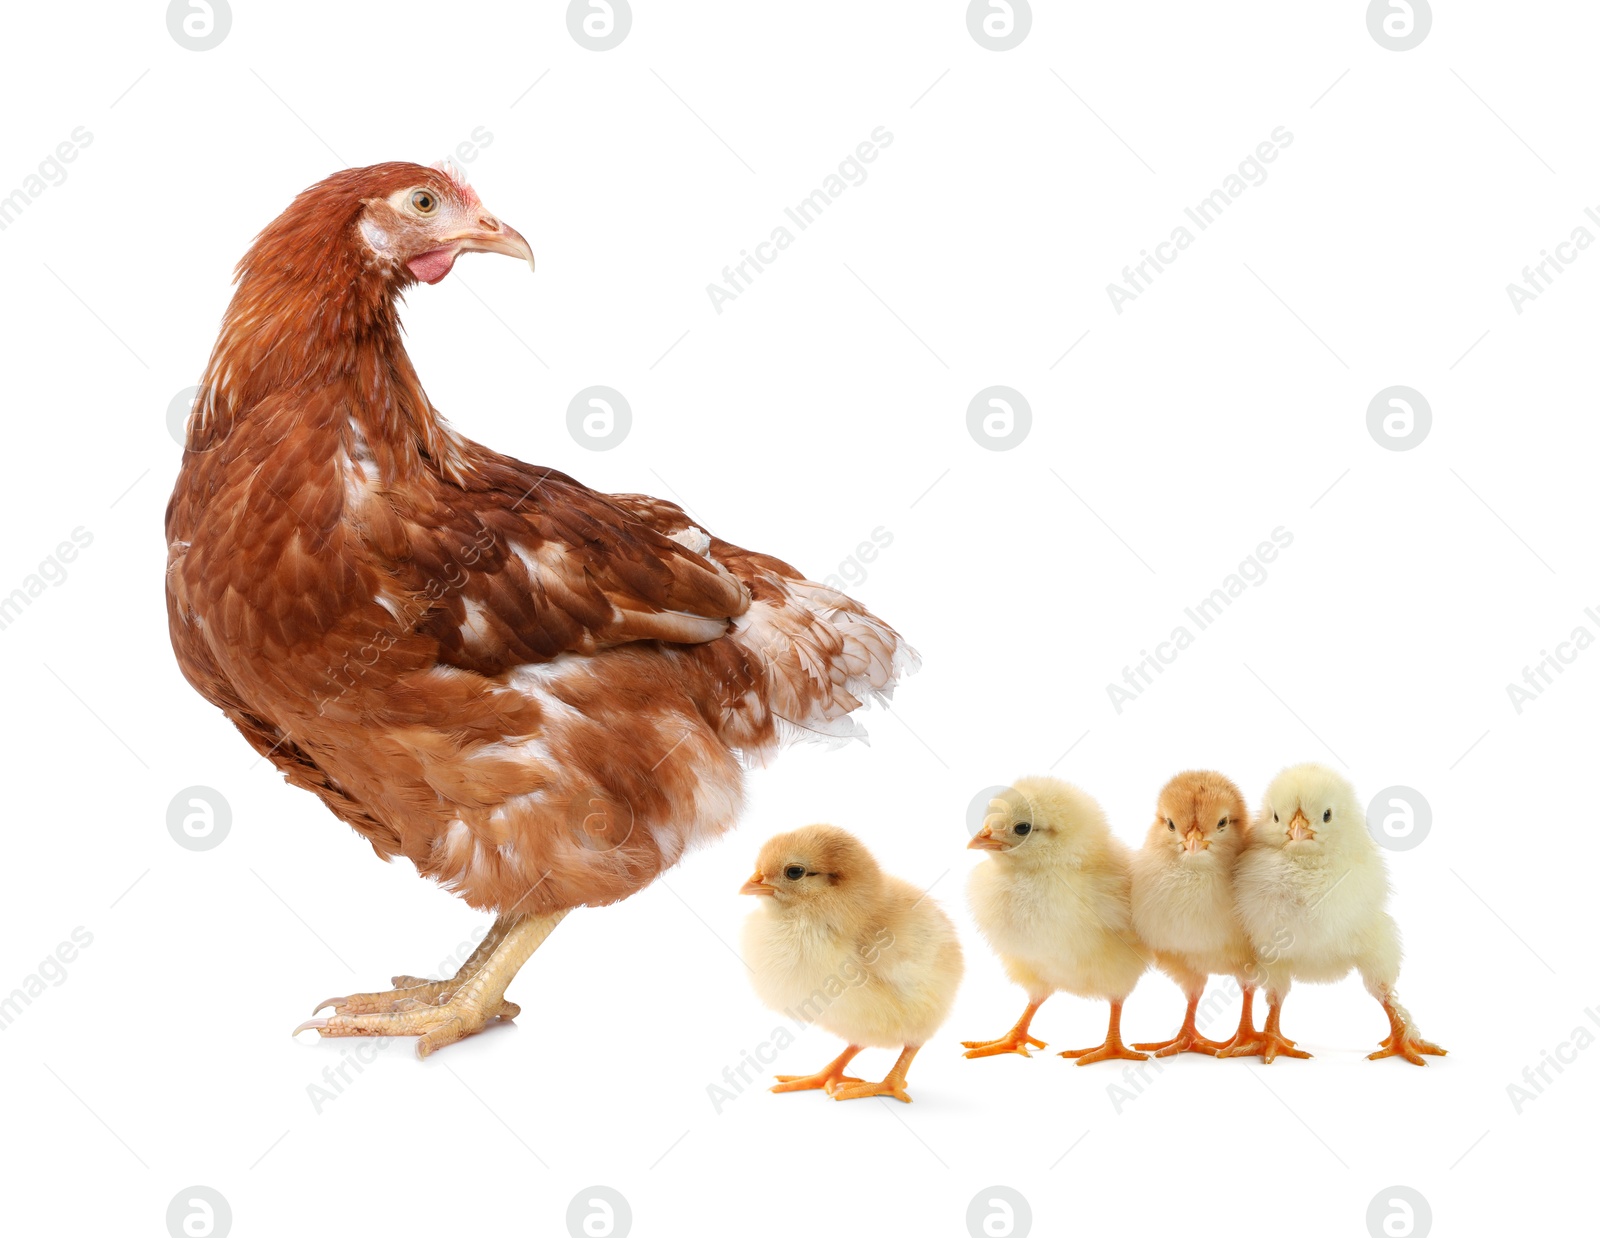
(1170, 826)
(1327, 815)
(1021, 827)
(423, 202)
(794, 872)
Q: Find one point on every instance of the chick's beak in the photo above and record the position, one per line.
(490, 236)
(1300, 828)
(757, 883)
(1194, 843)
(984, 840)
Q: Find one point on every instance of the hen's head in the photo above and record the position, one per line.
(1199, 814)
(1311, 808)
(394, 223)
(819, 870)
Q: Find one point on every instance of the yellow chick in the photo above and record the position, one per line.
(842, 944)
(1310, 891)
(1183, 900)
(1053, 901)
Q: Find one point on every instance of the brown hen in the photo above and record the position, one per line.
(538, 694)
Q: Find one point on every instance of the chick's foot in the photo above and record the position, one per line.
(827, 1079)
(1188, 1040)
(1112, 1048)
(893, 1084)
(1398, 1044)
(1267, 1045)
(1016, 1040)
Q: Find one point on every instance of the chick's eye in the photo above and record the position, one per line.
(1021, 827)
(1170, 826)
(1222, 825)
(1274, 816)
(1327, 815)
(794, 872)
(423, 202)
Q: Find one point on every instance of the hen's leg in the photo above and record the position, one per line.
(1271, 1043)
(893, 1084)
(410, 992)
(828, 1078)
(1113, 1046)
(1016, 1040)
(474, 1001)
(1403, 1040)
(1188, 1039)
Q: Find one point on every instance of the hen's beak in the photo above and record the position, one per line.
(490, 236)
(1300, 828)
(757, 883)
(984, 840)
(1194, 842)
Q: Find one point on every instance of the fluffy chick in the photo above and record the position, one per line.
(840, 943)
(1310, 891)
(1053, 901)
(1183, 899)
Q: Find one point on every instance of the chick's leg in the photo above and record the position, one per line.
(471, 1003)
(828, 1078)
(1113, 1046)
(1402, 1040)
(892, 1084)
(1188, 1039)
(1016, 1040)
(1246, 1039)
(1272, 1043)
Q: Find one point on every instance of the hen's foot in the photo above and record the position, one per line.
(441, 1012)
(1398, 1044)
(1012, 1042)
(1186, 1041)
(827, 1079)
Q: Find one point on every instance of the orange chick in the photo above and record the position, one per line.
(1183, 900)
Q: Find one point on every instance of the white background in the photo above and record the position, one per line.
(826, 401)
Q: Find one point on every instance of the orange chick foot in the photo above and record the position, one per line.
(1268, 1046)
(1111, 1050)
(1186, 1041)
(1012, 1042)
(823, 1079)
(887, 1087)
(1397, 1044)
